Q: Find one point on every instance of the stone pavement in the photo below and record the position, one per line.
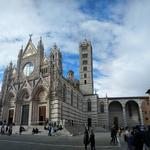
(35, 142)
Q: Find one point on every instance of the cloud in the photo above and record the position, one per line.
(119, 32)
(128, 72)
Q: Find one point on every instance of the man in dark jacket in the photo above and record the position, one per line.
(86, 138)
(147, 138)
(92, 140)
(138, 139)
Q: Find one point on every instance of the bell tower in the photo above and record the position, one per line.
(86, 67)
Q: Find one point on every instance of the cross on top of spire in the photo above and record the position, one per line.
(30, 35)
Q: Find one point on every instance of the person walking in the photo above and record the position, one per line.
(10, 130)
(112, 141)
(138, 139)
(92, 140)
(20, 129)
(130, 138)
(86, 138)
(147, 139)
(2, 129)
(49, 130)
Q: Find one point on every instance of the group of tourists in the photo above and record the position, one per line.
(89, 138)
(137, 138)
(53, 128)
(6, 129)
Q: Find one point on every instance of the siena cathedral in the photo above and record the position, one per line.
(35, 91)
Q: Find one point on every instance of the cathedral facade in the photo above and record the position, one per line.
(35, 92)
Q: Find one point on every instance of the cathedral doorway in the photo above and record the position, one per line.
(42, 115)
(10, 117)
(39, 107)
(25, 115)
(89, 122)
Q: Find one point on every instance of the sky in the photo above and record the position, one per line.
(119, 31)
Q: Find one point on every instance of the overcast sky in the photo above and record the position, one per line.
(119, 31)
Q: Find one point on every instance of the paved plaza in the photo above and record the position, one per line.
(38, 142)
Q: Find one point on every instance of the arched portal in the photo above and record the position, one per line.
(115, 114)
(132, 113)
(11, 100)
(39, 105)
(22, 106)
(23, 95)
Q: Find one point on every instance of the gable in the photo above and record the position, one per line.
(29, 50)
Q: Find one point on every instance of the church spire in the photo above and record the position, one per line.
(40, 44)
(56, 58)
(40, 54)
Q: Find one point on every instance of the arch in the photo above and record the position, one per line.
(39, 93)
(115, 114)
(23, 95)
(132, 113)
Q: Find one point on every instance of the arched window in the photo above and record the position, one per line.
(77, 101)
(85, 75)
(89, 106)
(64, 93)
(102, 107)
(71, 97)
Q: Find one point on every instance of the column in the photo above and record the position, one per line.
(47, 109)
(34, 113)
(107, 114)
(30, 114)
(141, 116)
(124, 116)
(18, 113)
(5, 113)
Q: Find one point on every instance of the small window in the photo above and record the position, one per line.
(84, 55)
(84, 48)
(84, 81)
(85, 75)
(146, 118)
(84, 62)
(46, 70)
(89, 106)
(145, 112)
(85, 68)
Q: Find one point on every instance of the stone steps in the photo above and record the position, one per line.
(42, 131)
